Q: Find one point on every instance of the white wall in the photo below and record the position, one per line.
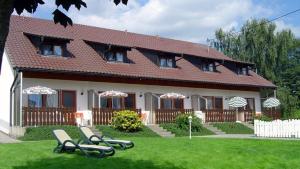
(84, 86)
(6, 80)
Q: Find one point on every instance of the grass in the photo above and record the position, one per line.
(172, 127)
(233, 128)
(145, 132)
(160, 153)
(45, 132)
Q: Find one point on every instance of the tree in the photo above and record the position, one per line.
(8, 6)
(275, 55)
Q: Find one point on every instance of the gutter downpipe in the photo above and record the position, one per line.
(11, 101)
(21, 99)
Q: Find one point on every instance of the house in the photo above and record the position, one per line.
(82, 61)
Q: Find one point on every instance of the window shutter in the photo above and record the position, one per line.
(195, 102)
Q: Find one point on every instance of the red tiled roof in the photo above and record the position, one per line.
(22, 54)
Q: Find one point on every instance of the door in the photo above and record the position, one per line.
(68, 99)
(151, 104)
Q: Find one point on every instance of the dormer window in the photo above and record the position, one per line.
(242, 71)
(51, 49)
(209, 67)
(166, 62)
(115, 56)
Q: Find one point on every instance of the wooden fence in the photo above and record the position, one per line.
(103, 116)
(48, 116)
(277, 128)
(248, 115)
(274, 114)
(169, 115)
(219, 115)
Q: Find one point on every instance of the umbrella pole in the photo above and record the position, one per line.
(237, 114)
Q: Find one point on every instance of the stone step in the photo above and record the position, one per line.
(160, 131)
(213, 129)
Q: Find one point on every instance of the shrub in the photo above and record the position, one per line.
(296, 114)
(182, 122)
(127, 121)
(263, 118)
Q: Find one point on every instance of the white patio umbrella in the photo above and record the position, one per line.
(172, 96)
(237, 102)
(112, 94)
(38, 90)
(271, 102)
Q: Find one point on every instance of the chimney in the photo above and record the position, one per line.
(125, 31)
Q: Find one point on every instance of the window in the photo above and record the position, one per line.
(242, 71)
(68, 99)
(171, 104)
(119, 103)
(214, 102)
(166, 62)
(43, 100)
(209, 67)
(129, 102)
(250, 104)
(35, 100)
(115, 56)
(51, 49)
(119, 57)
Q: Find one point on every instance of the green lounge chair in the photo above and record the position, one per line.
(91, 138)
(66, 144)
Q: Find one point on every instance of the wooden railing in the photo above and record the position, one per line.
(248, 115)
(169, 115)
(103, 116)
(48, 116)
(219, 115)
(274, 114)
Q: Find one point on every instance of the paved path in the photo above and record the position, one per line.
(6, 139)
(246, 136)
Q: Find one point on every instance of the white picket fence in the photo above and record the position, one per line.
(277, 128)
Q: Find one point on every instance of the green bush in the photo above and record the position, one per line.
(45, 132)
(181, 126)
(173, 127)
(182, 122)
(296, 114)
(263, 118)
(127, 121)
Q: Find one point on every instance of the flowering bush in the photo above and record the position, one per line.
(127, 121)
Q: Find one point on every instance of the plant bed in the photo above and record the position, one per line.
(173, 127)
(45, 132)
(233, 128)
(143, 132)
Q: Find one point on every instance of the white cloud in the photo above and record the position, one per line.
(283, 25)
(191, 20)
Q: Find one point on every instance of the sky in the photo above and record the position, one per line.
(190, 20)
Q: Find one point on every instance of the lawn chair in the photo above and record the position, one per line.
(91, 138)
(66, 144)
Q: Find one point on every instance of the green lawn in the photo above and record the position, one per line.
(233, 128)
(160, 153)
